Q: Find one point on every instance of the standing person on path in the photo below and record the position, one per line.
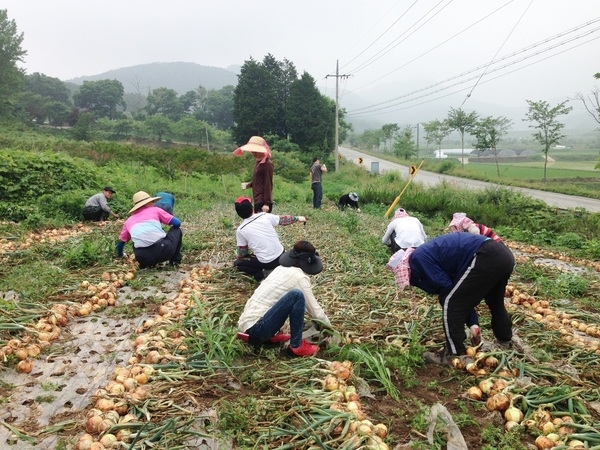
(151, 245)
(285, 294)
(262, 176)
(166, 202)
(403, 231)
(96, 207)
(462, 269)
(316, 171)
(258, 245)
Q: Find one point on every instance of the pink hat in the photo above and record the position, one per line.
(460, 222)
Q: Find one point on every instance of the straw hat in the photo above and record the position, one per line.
(256, 144)
(140, 199)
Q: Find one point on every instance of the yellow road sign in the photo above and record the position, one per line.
(413, 169)
(360, 160)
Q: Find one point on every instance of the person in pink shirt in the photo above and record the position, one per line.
(151, 244)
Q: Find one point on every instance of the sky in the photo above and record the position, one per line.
(393, 54)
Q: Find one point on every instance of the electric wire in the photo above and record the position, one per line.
(435, 47)
(508, 64)
(496, 54)
(382, 52)
(386, 109)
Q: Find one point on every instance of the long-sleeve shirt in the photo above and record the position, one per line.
(409, 232)
(262, 182)
(144, 226)
(99, 199)
(438, 264)
(272, 288)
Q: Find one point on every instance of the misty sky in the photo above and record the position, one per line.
(425, 51)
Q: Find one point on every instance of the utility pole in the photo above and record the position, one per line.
(417, 140)
(337, 112)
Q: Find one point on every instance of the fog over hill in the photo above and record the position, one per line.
(185, 76)
(180, 76)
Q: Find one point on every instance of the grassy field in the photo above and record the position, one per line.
(194, 384)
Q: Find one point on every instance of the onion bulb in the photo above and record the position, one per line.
(510, 425)
(513, 414)
(24, 366)
(380, 430)
(331, 383)
(109, 440)
(543, 443)
(474, 393)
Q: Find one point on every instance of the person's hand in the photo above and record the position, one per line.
(265, 208)
(116, 215)
(357, 209)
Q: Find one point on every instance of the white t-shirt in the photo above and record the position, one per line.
(409, 232)
(257, 232)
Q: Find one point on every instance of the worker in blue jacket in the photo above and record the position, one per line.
(462, 269)
(166, 202)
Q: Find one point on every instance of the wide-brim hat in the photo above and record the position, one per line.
(140, 199)
(256, 144)
(460, 221)
(310, 263)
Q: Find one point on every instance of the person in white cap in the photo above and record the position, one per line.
(151, 245)
(350, 199)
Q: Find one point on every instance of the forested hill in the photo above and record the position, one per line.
(180, 76)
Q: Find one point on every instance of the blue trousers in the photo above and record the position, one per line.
(317, 189)
(291, 305)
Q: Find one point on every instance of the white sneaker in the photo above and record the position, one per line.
(475, 335)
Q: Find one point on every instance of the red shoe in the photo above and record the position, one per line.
(305, 349)
(280, 337)
(243, 336)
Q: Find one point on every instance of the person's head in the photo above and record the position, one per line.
(315, 160)
(257, 146)
(353, 196)
(142, 199)
(108, 192)
(243, 207)
(400, 212)
(460, 222)
(303, 255)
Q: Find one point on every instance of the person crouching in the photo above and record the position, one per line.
(285, 294)
(350, 199)
(151, 245)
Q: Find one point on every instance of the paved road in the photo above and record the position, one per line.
(432, 179)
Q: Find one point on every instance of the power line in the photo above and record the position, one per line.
(507, 57)
(496, 54)
(435, 47)
(385, 110)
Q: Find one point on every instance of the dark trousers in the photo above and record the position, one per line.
(94, 213)
(167, 249)
(253, 267)
(258, 207)
(317, 194)
(485, 279)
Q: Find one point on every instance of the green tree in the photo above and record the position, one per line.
(435, 132)
(544, 119)
(462, 122)
(309, 117)
(370, 139)
(159, 125)
(389, 131)
(46, 86)
(11, 76)
(489, 132)
(101, 97)
(164, 101)
(83, 130)
(404, 145)
(218, 108)
(190, 129)
(260, 98)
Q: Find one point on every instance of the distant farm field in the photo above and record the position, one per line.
(535, 170)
